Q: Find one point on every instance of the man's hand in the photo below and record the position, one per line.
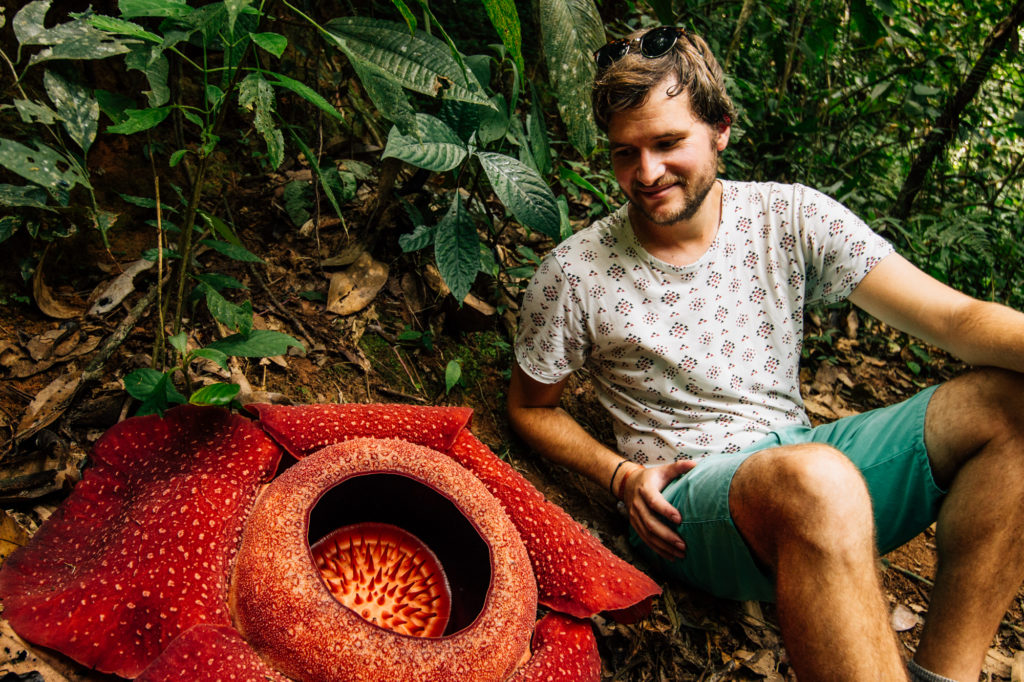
(648, 508)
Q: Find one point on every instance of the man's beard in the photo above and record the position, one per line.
(693, 196)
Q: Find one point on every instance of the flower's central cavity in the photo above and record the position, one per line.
(391, 549)
(387, 576)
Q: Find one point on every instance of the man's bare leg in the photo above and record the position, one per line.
(975, 436)
(805, 512)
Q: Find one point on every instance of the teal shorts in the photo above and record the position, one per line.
(886, 444)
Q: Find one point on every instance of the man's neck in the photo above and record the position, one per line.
(685, 241)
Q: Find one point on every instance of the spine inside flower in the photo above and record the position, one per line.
(386, 575)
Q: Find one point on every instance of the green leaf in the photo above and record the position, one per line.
(274, 43)
(570, 32)
(24, 195)
(925, 90)
(127, 28)
(35, 112)
(494, 123)
(232, 251)
(388, 96)
(538, 135)
(218, 281)
(436, 148)
(221, 229)
(410, 18)
(154, 389)
(8, 225)
(871, 29)
(215, 394)
(306, 93)
(505, 19)
(259, 343)
(139, 120)
(418, 62)
(75, 39)
(235, 317)
(176, 157)
(457, 249)
(452, 375)
(79, 112)
(114, 104)
(578, 180)
(176, 9)
(256, 94)
(234, 8)
(523, 192)
(41, 166)
(213, 355)
(419, 238)
(152, 62)
(178, 342)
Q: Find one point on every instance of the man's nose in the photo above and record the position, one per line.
(650, 167)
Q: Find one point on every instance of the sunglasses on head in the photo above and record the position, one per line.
(655, 43)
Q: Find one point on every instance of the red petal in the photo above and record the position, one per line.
(564, 650)
(302, 429)
(209, 653)
(141, 550)
(575, 573)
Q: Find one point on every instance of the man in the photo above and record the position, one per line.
(687, 306)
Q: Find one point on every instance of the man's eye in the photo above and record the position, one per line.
(668, 144)
(622, 153)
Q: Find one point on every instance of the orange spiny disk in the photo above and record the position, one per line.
(360, 565)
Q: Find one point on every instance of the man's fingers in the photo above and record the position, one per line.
(655, 533)
(657, 503)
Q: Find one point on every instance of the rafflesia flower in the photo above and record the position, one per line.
(398, 547)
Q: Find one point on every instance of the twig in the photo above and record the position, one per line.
(910, 574)
(280, 308)
(398, 394)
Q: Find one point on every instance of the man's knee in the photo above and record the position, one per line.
(970, 412)
(809, 495)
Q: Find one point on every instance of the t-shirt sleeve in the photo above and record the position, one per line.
(552, 340)
(840, 249)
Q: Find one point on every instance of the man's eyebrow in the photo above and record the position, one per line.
(612, 144)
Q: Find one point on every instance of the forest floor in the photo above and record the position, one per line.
(396, 349)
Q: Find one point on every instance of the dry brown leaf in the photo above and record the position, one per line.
(1017, 667)
(107, 296)
(12, 535)
(49, 404)
(45, 299)
(903, 619)
(997, 663)
(818, 408)
(355, 287)
(311, 225)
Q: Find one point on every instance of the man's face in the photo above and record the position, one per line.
(665, 158)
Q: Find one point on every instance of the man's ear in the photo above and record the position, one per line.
(723, 129)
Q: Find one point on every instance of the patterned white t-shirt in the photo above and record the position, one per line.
(699, 359)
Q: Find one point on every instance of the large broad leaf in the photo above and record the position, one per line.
(235, 317)
(457, 249)
(418, 62)
(570, 32)
(138, 120)
(75, 39)
(505, 18)
(153, 8)
(151, 61)
(387, 95)
(305, 92)
(259, 343)
(79, 112)
(523, 192)
(215, 394)
(435, 146)
(41, 166)
(14, 195)
(257, 95)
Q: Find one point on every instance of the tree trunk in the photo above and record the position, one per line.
(949, 121)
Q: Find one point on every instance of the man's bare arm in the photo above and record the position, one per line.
(534, 412)
(978, 332)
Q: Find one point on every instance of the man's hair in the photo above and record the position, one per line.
(627, 82)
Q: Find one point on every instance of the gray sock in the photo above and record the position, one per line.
(919, 674)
